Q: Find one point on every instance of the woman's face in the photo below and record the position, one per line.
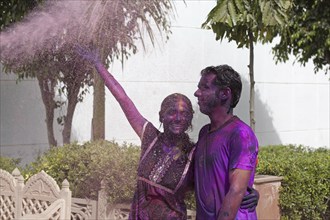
(177, 117)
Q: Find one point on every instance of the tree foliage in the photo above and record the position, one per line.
(247, 22)
(234, 19)
(15, 10)
(113, 26)
(307, 34)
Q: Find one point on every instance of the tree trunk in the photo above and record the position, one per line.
(252, 82)
(73, 92)
(98, 121)
(47, 86)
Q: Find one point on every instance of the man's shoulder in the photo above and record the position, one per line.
(204, 128)
(241, 125)
(242, 130)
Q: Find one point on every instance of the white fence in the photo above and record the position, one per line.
(41, 198)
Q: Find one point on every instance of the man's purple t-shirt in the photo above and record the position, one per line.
(233, 145)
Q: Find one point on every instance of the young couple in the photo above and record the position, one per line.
(220, 167)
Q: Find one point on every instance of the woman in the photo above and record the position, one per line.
(165, 171)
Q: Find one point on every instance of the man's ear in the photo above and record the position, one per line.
(225, 93)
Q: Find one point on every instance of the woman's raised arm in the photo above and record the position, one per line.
(134, 117)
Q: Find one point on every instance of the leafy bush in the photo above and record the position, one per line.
(9, 164)
(304, 193)
(85, 166)
(190, 200)
(305, 188)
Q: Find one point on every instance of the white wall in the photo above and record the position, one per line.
(292, 103)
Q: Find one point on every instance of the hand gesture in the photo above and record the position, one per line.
(250, 201)
(91, 55)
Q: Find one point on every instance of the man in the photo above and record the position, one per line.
(227, 148)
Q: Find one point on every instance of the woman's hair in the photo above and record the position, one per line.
(185, 144)
(171, 100)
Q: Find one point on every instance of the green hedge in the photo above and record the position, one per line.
(84, 166)
(304, 193)
(9, 164)
(305, 188)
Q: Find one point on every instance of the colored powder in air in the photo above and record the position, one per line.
(58, 26)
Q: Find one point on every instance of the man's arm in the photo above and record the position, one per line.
(239, 180)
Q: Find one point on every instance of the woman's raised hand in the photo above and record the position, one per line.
(88, 54)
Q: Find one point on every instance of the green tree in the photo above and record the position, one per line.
(113, 26)
(307, 34)
(246, 22)
(15, 10)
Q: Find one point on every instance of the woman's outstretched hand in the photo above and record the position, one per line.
(90, 55)
(250, 201)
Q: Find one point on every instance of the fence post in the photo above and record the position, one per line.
(19, 180)
(66, 195)
(102, 202)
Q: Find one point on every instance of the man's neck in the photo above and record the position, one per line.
(219, 118)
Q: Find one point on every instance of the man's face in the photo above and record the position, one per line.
(207, 94)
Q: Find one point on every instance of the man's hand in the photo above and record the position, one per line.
(250, 201)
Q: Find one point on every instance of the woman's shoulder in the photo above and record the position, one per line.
(150, 132)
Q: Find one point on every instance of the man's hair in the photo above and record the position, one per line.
(226, 76)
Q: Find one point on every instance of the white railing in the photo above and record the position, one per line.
(41, 198)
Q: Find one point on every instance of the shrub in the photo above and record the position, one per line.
(9, 164)
(304, 193)
(85, 166)
(305, 188)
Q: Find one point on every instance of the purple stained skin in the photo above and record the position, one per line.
(163, 179)
(226, 150)
(165, 172)
(233, 146)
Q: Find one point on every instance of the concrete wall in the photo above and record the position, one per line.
(292, 103)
